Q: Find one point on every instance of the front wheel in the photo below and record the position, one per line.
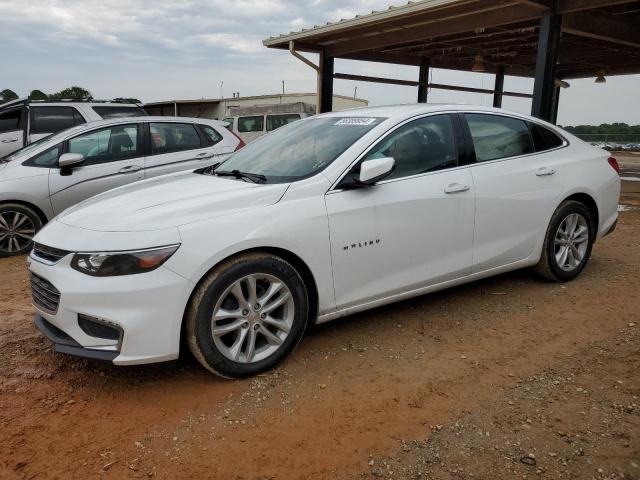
(18, 225)
(567, 245)
(247, 315)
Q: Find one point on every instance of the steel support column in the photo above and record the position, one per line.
(423, 81)
(498, 89)
(556, 102)
(546, 59)
(325, 88)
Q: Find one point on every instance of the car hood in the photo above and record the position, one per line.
(169, 201)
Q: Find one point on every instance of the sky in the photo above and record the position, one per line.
(185, 49)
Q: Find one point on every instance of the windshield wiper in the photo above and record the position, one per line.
(208, 170)
(254, 177)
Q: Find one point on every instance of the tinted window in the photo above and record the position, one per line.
(498, 137)
(48, 158)
(421, 146)
(119, 112)
(251, 124)
(543, 138)
(173, 137)
(212, 135)
(10, 121)
(277, 121)
(54, 119)
(109, 144)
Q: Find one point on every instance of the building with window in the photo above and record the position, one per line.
(221, 108)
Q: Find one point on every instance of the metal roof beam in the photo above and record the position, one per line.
(601, 27)
(567, 6)
(473, 20)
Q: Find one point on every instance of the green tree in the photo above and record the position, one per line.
(38, 95)
(7, 95)
(72, 93)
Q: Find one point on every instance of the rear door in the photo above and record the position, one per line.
(517, 189)
(45, 120)
(174, 147)
(13, 123)
(113, 157)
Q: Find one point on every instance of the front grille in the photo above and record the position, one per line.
(48, 254)
(45, 295)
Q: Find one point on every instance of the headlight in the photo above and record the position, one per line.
(107, 264)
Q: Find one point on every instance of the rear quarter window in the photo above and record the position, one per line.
(54, 119)
(543, 138)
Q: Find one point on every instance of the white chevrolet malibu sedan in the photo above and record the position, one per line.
(325, 217)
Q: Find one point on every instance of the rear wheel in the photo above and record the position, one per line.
(18, 225)
(568, 242)
(247, 315)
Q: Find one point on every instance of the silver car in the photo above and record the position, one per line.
(51, 174)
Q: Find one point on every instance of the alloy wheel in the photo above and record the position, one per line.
(16, 231)
(571, 242)
(252, 318)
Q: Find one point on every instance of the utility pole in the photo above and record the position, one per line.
(221, 91)
(283, 87)
(355, 92)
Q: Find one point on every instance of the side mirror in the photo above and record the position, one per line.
(69, 160)
(372, 171)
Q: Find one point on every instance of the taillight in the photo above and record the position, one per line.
(614, 164)
(241, 142)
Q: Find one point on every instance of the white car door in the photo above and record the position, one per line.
(517, 189)
(411, 230)
(181, 146)
(112, 159)
(12, 125)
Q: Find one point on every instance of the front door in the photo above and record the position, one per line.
(412, 230)
(112, 159)
(12, 130)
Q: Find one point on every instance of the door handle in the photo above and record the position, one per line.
(130, 169)
(205, 155)
(456, 188)
(10, 140)
(545, 172)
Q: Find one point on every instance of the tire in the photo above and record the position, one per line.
(549, 266)
(18, 225)
(229, 354)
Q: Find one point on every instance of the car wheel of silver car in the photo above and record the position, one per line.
(568, 242)
(247, 315)
(18, 225)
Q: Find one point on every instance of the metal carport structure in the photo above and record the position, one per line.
(549, 40)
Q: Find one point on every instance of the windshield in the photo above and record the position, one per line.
(32, 147)
(300, 149)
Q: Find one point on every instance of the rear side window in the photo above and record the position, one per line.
(54, 119)
(10, 121)
(497, 136)
(108, 144)
(211, 133)
(543, 138)
(251, 124)
(277, 121)
(173, 137)
(119, 112)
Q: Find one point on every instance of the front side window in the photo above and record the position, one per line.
(496, 136)
(543, 138)
(277, 121)
(300, 149)
(119, 112)
(251, 124)
(48, 158)
(10, 121)
(212, 135)
(54, 119)
(421, 146)
(173, 137)
(108, 144)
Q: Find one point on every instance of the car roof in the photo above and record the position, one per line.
(145, 118)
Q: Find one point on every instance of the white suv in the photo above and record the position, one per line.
(42, 179)
(23, 122)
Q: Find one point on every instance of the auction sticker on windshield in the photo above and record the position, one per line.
(356, 121)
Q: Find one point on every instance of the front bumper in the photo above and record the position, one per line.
(147, 308)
